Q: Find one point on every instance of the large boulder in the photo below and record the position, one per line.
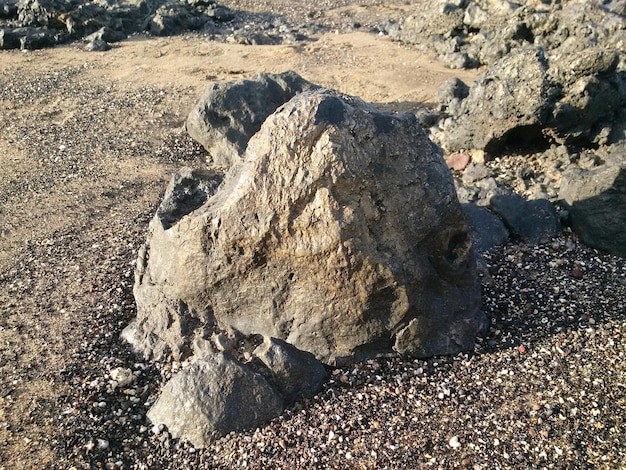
(339, 233)
(228, 114)
(596, 200)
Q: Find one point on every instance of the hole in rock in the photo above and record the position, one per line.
(519, 140)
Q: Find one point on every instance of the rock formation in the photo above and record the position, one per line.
(338, 230)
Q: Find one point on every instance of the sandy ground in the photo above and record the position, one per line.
(87, 144)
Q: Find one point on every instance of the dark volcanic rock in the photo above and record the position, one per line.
(531, 221)
(485, 228)
(57, 21)
(596, 200)
(511, 97)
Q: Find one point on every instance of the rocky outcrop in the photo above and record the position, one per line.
(35, 24)
(556, 72)
(228, 114)
(480, 32)
(526, 100)
(338, 231)
(596, 200)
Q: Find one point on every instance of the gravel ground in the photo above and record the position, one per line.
(84, 164)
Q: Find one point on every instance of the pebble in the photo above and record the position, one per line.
(454, 442)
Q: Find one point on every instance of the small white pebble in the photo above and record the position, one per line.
(157, 428)
(454, 442)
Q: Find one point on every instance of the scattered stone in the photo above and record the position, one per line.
(458, 161)
(454, 442)
(97, 45)
(122, 376)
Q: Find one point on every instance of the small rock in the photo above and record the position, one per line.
(122, 376)
(97, 45)
(454, 442)
(458, 161)
(577, 273)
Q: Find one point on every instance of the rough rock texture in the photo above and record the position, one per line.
(230, 113)
(573, 92)
(44, 23)
(339, 233)
(214, 396)
(596, 200)
(480, 32)
(510, 97)
(591, 95)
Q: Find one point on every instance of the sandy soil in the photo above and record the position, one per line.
(87, 144)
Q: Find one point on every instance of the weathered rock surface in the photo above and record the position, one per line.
(339, 233)
(214, 396)
(512, 96)
(230, 113)
(596, 200)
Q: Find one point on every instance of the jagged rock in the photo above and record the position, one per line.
(508, 100)
(533, 221)
(230, 113)
(485, 228)
(106, 34)
(214, 396)
(63, 20)
(593, 94)
(452, 89)
(596, 201)
(338, 230)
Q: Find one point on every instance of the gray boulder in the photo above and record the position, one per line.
(596, 200)
(230, 113)
(214, 396)
(592, 94)
(339, 229)
(485, 228)
(531, 221)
